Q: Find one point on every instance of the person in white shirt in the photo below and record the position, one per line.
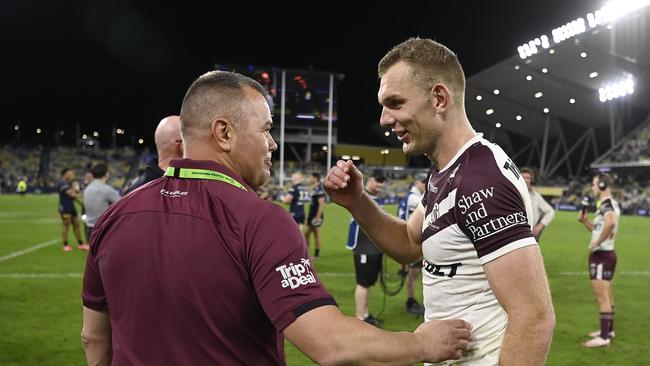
(543, 213)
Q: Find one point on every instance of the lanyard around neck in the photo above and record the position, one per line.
(187, 173)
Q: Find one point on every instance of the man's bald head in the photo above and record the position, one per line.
(168, 140)
(214, 95)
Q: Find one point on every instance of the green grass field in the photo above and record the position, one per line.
(40, 285)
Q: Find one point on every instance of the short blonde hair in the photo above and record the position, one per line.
(431, 62)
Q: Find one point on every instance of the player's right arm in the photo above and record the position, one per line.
(287, 198)
(396, 238)
(328, 337)
(96, 337)
(582, 217)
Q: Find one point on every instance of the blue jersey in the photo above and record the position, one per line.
(66, 203)
(316, 195)
(358, 241)
(300, 196)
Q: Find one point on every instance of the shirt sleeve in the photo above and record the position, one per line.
(547, 210)
(280, 268)
(93, 294)
(112, 195)
(490, 210)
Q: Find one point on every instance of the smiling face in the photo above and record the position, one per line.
(253, 144)
(408, 110)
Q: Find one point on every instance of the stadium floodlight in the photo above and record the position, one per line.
(84, 136)
(546, 110)
(518, 117)
(345, 157)
(517, 67)
(140, 141)
(356, 157)
(489, 111)
(612, 11)
(572, 101)
(386, 133)
(324, 148)
(95, 133)
(544, 70)
(305, 116)
(551, 51)
(17, 128)
(498, 125)
(529, 78)
(38, 130)
(538, 95)
(583, 54)
(616, 90)
(496, 92)
(479, 97)
(593, 75)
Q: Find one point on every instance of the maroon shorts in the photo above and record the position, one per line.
(602, 265)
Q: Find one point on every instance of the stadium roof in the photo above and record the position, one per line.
(565, 77)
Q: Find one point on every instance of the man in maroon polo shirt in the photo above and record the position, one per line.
(194, 269)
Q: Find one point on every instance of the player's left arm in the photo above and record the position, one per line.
(96, 337)
(519, 282)
(607, 232)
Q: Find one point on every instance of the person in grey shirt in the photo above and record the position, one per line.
(543, 212)
(98, 196)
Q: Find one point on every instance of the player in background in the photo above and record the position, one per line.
(367, 257)
(602, 256)
(406, 207)
(316, 216)
(543, 213)
(69, 191)
(296, 198)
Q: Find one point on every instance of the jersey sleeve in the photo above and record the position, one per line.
(93, 294)
(606, 207)
(280, 268)
(492, 212)
(63, 187)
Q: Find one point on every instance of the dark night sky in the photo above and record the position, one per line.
(129, 62)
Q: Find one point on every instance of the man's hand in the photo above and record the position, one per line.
(538, 229)
(445, 339)
(594, 245)
(582, 216)
(344, 184)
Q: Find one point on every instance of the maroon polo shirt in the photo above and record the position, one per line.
(199, 272)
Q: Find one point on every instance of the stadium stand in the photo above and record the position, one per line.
(41, 166)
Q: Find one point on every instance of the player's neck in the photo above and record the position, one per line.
(450, 142)
(199, 153)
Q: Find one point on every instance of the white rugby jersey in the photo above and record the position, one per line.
(477, 208)
(605, 206)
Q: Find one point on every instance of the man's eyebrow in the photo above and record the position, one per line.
(391, 99)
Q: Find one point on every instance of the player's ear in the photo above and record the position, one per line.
(223, 133)
(439, 97)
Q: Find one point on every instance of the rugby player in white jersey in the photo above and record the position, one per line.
(602, 257)
(473, 227)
